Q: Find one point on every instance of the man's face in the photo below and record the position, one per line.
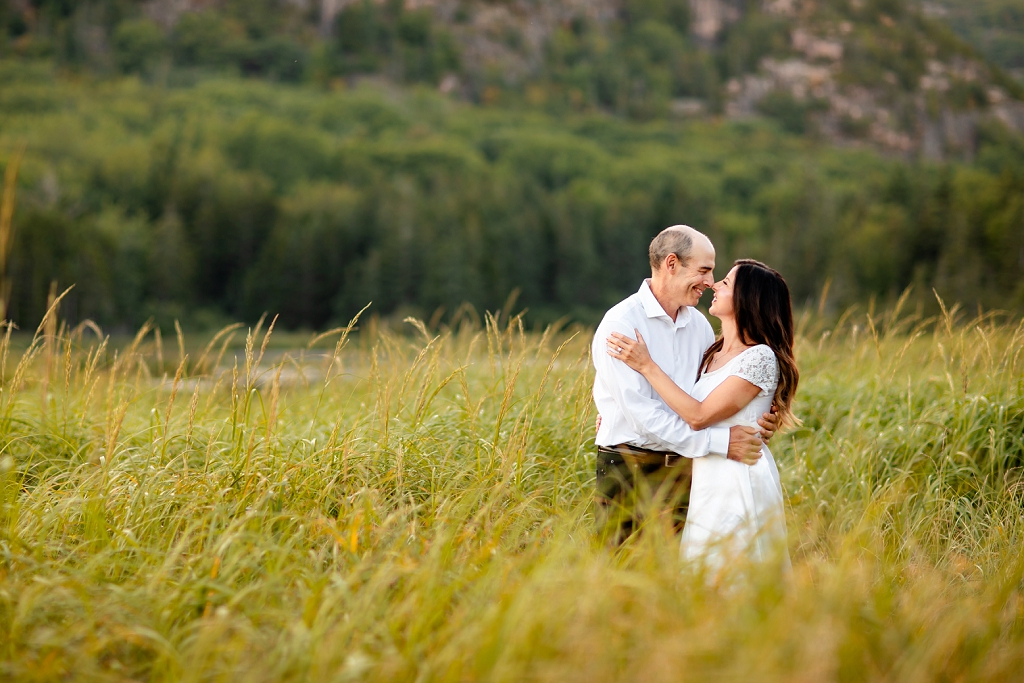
(696, 275)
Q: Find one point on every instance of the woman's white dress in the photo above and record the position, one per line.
(735, 508)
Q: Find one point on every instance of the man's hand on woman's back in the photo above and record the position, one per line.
(744, 442)
(744, 445)
(769, 424)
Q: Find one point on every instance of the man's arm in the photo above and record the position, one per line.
(647, 415)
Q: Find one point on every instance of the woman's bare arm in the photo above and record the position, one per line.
(726, 400)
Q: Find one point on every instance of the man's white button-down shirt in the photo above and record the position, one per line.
(631, 411)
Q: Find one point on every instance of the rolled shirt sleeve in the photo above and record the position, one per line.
(644, 411)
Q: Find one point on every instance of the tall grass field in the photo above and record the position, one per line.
(415, 504)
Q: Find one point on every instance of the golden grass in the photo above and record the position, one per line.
(388, 507)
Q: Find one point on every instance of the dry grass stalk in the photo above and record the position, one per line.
(360, 530)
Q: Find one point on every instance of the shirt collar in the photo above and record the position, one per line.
(653, 309)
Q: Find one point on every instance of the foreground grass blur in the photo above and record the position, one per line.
(387, 507)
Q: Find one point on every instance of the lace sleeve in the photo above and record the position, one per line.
(758, 366)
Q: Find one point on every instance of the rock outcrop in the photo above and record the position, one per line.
(937, 117)
(836, 73)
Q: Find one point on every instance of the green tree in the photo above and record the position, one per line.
(138, 44)
(205, 39)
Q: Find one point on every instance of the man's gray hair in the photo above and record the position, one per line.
(677, 240)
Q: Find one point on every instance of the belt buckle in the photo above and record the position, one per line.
(667, 455)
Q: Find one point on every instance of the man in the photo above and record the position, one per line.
(644, 448)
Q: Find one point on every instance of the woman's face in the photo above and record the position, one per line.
(721, 305)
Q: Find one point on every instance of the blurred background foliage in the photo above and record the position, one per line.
(234, 197)
(629, 57)
(996, 27)
(248, 159)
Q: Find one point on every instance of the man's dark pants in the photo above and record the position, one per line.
(636, 484)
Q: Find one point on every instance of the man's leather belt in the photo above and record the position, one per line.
(643, 456)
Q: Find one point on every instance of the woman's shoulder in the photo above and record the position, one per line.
(757, 352)
(758, 366)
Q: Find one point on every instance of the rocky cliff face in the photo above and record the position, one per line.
(936, 114)
(899, 83)
(846, 71)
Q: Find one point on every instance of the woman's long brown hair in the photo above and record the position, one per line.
(764, 315)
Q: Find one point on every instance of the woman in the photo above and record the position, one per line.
(733, 507)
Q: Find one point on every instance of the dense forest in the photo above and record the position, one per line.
(242, 157)
(232, 197)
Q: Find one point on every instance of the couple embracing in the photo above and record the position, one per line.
(684, 418)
